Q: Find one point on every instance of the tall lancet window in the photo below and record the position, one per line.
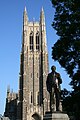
(37, 41)
(31, 98)
(31, 41)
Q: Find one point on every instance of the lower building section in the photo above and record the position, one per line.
(17, 110)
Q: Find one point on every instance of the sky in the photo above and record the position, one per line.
(11, 21)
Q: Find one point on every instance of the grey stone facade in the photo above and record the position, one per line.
(32, 99)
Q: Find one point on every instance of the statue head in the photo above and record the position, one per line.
(53, 68)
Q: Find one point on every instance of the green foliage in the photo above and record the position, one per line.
(71, 105)
(67, 24)
(67, 49)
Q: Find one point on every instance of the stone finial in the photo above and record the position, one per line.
(42, 8)
(25, 16)
(25, 9)
(42, 16)
(8, 89)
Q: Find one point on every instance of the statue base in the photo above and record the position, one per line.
(55, 116)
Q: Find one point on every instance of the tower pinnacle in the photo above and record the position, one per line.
(32, 96)
(42, 9)
(42, 17)
(8, 89)
(25, 9)
(25, 16)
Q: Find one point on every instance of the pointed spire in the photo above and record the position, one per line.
(42, 16)
(25, 9)
(25, 16)
(8, 89)
(42, 9)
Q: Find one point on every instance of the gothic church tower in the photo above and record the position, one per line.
(33, 97)
(33, 67)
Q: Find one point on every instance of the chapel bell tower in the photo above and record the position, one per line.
(33, 96)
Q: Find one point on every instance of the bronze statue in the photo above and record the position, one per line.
(53, 86)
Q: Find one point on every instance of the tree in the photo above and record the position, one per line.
(67, 48)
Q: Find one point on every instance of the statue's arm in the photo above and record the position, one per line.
(59, 78)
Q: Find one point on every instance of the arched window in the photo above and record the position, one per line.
(37, 41)
(31, 41)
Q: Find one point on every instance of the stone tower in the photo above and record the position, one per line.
(33, 99)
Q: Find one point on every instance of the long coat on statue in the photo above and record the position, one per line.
(51, 81)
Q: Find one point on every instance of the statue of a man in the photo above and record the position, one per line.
(53, 86)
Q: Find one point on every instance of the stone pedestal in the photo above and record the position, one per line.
(55, 116)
